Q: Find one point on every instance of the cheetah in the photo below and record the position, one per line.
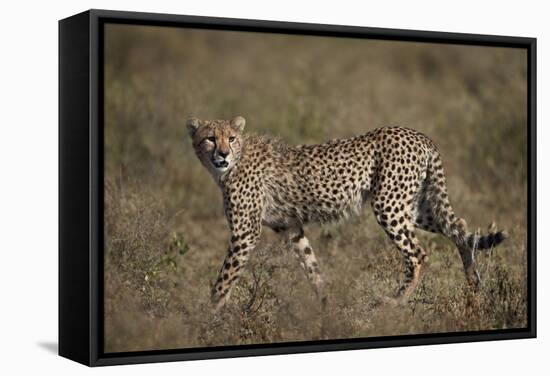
(266, 182)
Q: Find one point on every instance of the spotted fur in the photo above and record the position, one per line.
(268, 183)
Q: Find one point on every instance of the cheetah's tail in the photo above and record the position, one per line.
(453, 227)
(492, 239)
(475, 240)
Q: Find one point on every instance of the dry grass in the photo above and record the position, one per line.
(165, 231)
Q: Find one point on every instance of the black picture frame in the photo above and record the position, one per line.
(81, 186)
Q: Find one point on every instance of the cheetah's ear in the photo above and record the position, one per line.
(238, 123)
(192, 125)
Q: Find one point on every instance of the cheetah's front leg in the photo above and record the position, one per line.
(308, 262)
(243, 241)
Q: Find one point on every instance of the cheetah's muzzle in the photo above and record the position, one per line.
(220, 164)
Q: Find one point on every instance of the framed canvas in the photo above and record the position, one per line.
(235, 187)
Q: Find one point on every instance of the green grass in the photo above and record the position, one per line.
(165, 230)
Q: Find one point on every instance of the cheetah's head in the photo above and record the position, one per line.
(217, 143)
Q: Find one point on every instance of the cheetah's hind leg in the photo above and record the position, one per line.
(435, 214)
(401, 232)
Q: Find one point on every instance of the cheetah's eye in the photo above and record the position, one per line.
(231, 139)
(211, 139)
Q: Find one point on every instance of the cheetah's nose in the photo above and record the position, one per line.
(223, 153)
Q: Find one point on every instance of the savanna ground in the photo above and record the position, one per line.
(166, 235)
